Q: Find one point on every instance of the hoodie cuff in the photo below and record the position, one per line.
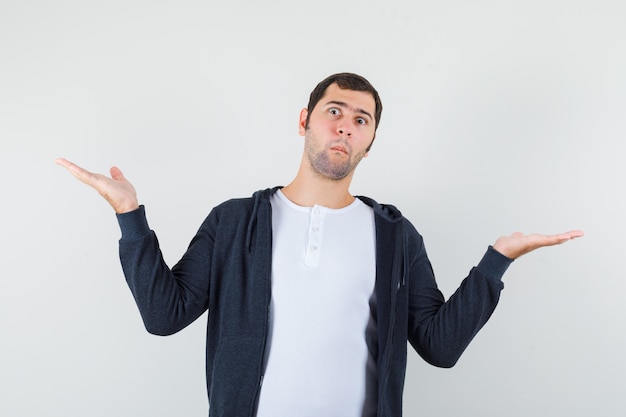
(494, 264)
(133, 224)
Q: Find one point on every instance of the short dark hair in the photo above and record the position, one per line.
(344, 80)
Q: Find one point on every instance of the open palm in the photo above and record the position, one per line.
(117, 190)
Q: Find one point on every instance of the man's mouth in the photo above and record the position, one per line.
(340, 149)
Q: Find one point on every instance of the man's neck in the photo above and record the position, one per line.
(309, 189)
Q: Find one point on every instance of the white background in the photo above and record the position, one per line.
(499, 116)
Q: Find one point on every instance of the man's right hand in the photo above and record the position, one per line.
(117, 190)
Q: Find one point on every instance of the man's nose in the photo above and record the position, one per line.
(343, 129)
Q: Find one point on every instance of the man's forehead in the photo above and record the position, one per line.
(359, 100)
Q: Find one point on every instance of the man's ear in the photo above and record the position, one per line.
(304, 113)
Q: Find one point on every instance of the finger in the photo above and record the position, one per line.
(573, 234)
(564, 237)
(551, 240)
(80, 173)
(64, 163)
(116, 174)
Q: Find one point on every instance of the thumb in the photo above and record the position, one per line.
(116, 174)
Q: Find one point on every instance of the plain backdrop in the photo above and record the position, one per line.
(498, 116)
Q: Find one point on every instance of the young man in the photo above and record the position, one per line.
(312, 293)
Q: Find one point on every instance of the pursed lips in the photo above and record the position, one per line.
(339, 149)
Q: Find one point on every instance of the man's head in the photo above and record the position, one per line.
(339, 126)
(346, 81)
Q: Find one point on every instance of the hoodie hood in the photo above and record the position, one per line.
(386, 211)
(259, 198)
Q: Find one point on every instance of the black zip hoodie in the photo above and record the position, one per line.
(227, 268)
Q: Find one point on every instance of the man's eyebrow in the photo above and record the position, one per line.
(345, 105)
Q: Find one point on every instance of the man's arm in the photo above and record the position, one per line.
(440, 330)
(168, 299)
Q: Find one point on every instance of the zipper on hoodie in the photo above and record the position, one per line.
(255, 403)
(268, 299)
(397, 281)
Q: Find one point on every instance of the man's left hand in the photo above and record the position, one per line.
(519, 244)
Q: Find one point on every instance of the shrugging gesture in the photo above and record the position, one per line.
(370, 253)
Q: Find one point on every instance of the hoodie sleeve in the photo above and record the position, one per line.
(441, 330)
(168, 299)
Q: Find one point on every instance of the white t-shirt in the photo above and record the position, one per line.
(322, 314)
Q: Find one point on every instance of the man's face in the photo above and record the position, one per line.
(341, 128)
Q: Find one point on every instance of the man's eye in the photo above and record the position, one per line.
(333, 111)
(361, 121)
